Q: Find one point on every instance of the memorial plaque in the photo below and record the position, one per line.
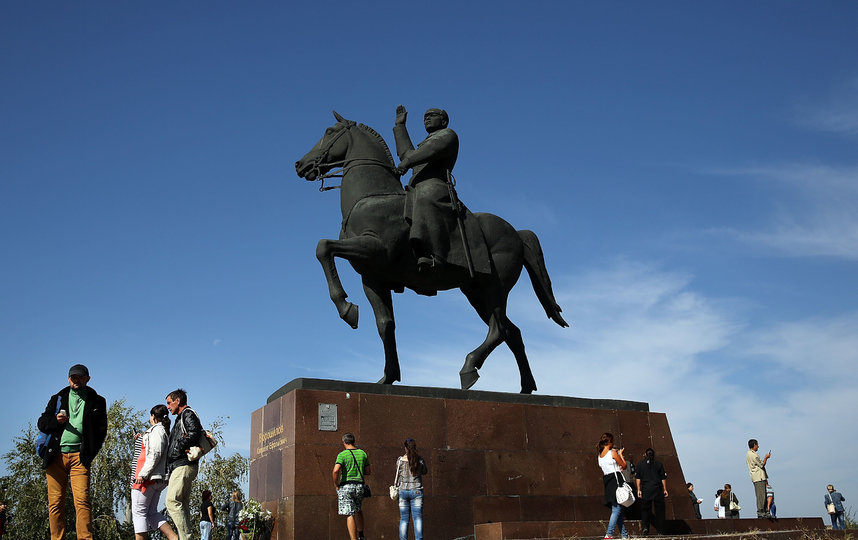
(327, 417)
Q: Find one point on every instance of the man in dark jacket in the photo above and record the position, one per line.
(651, 482)
(695, 502)
(76, 420)
(186, 433)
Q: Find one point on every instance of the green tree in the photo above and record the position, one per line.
(111, 472)
(25, 491)
(221, 475)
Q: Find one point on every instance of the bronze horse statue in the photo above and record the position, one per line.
(374, 239)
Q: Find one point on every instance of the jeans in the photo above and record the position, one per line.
(179, 498)
(411, 502)
(838, 523)
(64, 469)
(617, 518)
(205, 530)
(232, 530)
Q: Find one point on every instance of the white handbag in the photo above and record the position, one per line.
(205, 444)
(830, 508)
(625, 495)
(394, 489)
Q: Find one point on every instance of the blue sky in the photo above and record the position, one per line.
(690, 169)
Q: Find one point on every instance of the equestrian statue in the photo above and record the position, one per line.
(421, 236)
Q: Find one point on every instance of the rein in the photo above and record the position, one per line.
(344, 165)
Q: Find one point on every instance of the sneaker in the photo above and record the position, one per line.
(609, 537)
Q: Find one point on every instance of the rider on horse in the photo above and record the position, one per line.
(429, 209)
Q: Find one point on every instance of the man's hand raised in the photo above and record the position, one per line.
(401, 115)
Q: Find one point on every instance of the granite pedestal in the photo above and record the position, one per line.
(492, 457)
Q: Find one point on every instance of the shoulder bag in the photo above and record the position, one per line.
(394, 489)
(204, 445)
(830, 506)
(734, 505)
(625, 496)
(367, 493)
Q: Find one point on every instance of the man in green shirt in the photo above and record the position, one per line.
(76, 419)
(351, 467)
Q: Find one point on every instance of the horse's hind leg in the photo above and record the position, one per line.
(512, 336)
(501, 329)
(469, 374)
(382, 306)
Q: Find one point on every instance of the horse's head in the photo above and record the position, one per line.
(328, 153)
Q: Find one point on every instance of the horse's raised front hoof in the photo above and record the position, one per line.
(468, 378)
(350, 315)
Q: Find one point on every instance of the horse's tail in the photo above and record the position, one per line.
(534, 262)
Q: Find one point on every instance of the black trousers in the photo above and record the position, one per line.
(647, 513)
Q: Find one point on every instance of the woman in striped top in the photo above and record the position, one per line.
(149, 477)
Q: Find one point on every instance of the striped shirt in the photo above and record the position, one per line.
(135, 458)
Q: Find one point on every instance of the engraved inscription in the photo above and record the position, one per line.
(271, 440)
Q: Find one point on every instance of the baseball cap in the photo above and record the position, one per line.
(78, 369)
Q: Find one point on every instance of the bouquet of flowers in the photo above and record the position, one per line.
(255, 521)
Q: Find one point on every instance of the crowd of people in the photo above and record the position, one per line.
(650, 480)
(75, 426)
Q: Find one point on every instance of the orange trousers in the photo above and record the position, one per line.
(65, 468)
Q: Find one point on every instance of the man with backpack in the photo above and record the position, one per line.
(186, 432)
(74, 426)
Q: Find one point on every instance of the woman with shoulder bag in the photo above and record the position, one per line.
(410, 469)
(730, 503)
(834, 501)
(149, 476)
(612, 463)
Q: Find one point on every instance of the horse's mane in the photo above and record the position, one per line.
(380, 140)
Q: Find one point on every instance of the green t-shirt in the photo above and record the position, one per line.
(354, 463)
(71, 438)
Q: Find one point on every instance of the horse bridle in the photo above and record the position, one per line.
(345, 164)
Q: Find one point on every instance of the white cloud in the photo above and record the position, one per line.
(816, 348)
(838, 114)
(817, 211)
(645, 334)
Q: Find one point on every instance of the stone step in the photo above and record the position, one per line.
(703, 529)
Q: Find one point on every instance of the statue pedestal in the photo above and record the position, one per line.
(492, 457)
